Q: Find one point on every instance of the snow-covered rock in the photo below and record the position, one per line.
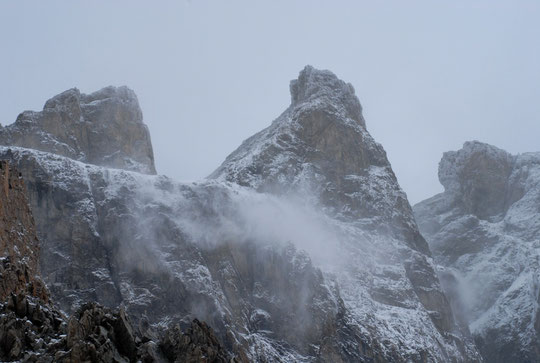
(484, 231)
(319, 149)
(300, 247)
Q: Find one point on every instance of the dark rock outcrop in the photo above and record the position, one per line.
(102, 128)
(32, 330)
(484, 232)
(197, 344)
(19, 248)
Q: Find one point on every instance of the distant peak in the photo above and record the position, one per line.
(313, 84)
(73, 96)
(472, 158)
(103, 128)
(482, 147)
(123, 93)
(70, 97)
(477, 174)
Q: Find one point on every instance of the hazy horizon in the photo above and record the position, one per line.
(209, 75)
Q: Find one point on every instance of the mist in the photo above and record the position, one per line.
(226, 219)
(211, 214)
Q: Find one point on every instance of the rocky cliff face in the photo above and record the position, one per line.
(484, 232)
(300, 247)
(320, 147)
(33, 329)
(103, 128)
(19, 249)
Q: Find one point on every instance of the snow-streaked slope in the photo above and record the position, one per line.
(485, 232)
(171, 252)
(319, 148)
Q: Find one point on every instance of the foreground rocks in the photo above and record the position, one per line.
(30, 330)
(33, 331)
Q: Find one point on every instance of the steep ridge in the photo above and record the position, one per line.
(103, 128)
(320, 147)
(484, 231)
(301, 247)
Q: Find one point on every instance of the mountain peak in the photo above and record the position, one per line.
(314, 84)
(320, 143)
(71, 96)
(483, 232)
(104, 128)
(477, 176)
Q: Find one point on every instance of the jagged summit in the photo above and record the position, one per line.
(324, 122)
(320, 143)
(323, 85)
(103, 128)
(320, 148)
(73, 97)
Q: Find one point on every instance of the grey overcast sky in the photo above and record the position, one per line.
(429, 74)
